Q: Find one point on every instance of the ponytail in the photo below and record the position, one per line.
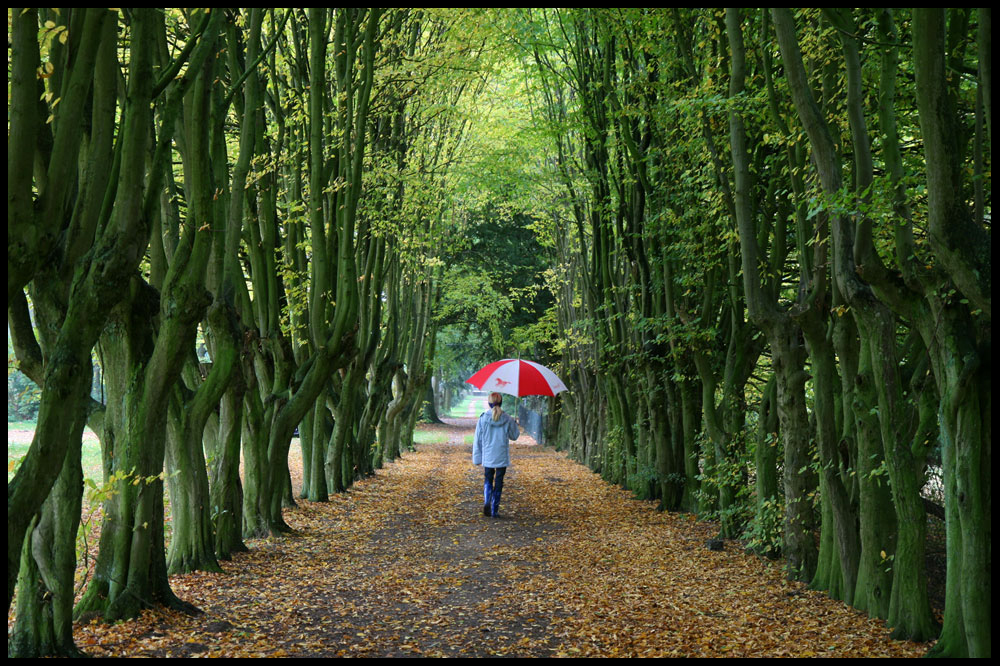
(496, 400)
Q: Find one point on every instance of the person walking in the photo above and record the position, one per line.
(490, 448)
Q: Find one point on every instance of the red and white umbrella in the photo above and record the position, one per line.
(517, 377)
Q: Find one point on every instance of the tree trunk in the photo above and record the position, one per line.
(321, 431)
(839, 546)
(876, 511)
(192, 545)
(788, 354)
(131, 569)
(963, 386)
(766, 522)
(97, 284)
(430, 414)
(46, 582)
(226, 490)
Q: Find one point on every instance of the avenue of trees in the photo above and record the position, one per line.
(755, 244)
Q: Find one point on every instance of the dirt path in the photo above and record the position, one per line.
(406, 564)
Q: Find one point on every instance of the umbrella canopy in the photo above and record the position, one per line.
(517, 377)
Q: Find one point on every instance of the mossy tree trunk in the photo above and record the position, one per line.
(959, 342)
(35, 226)
(46, 582)
(145, 366)
(46, 579)
(850, 239)
(784, 333)
(107, 238)
(224, 481)
(131, 569)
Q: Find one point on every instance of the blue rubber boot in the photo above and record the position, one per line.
(487, 492)
(495, 502)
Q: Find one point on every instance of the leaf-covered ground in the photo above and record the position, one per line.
(406, 564)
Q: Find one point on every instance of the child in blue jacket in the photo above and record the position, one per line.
(490, 449)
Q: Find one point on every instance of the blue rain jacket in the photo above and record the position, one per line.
(490, 446)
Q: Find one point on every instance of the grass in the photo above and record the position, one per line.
(19, 436)
(428, 437)
(467, 407)
(19, 439)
